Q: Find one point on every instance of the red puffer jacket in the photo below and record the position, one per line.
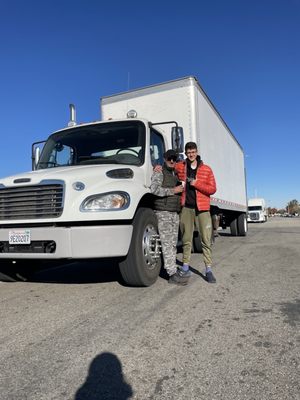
(205, 184)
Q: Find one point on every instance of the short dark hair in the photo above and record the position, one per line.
(190, 146)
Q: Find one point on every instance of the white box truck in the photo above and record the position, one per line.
(88, 195)
(257, 210)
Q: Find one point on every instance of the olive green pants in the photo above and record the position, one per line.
(189, 220)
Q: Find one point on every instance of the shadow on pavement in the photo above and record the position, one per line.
(105, 380)
(196, 272)
(163, 274)
(83, 271)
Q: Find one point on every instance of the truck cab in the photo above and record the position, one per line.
(257, 211)
(88, 196)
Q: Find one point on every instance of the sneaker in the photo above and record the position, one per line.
(210, 277)
(178, 279)
(185, 274)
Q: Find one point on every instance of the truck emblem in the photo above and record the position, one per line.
(78, 186)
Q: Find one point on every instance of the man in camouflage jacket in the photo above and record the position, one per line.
(166, 188)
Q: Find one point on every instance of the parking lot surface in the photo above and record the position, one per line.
(76, 332)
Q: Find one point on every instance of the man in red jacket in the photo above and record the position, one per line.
(195, 200)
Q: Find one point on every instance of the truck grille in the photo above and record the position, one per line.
(254, 216)
(31, 202)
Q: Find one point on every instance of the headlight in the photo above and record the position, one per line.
(113, 201)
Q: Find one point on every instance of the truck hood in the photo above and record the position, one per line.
(95, 180)
(86, 174)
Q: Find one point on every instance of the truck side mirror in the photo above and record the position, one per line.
(177, 138)
(35, 158)
(35, 153)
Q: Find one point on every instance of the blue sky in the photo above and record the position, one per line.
(245, 54)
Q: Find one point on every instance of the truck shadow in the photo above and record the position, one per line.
(84, 271)
(80, 272)
(223, 234)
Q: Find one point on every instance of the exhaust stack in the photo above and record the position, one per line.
(72, 121)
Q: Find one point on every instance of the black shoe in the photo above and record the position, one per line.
(210, 277)
(178, 279)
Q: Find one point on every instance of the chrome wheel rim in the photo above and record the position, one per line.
(151, 247)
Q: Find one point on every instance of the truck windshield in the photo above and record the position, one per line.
(102, 143)
(255, 208)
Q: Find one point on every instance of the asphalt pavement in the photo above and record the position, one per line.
(76, 332)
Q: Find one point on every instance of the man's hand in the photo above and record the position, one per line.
(178, 189)
(157, 168)
(192, 182)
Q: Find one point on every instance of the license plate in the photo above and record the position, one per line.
(19, 237)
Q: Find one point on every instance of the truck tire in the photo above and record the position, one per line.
(242, 225)
(142, 265)
(234, 227)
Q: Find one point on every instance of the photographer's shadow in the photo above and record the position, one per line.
(105, 380)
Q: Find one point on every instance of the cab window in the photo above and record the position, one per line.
(157, 148)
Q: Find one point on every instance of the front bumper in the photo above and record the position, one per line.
(71, 242)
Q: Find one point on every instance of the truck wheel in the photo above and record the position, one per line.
(234, 227)
(143, 262)
(242, 224)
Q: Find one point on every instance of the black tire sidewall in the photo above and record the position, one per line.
(134, 269)
(241, 225)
